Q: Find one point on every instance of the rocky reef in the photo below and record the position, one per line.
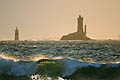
(74, 36)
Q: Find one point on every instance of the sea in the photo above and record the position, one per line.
(98, 59)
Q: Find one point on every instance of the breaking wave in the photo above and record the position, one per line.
(19, 68)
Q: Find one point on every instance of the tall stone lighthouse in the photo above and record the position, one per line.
(82, 30)
(80, 24)
(16, 34)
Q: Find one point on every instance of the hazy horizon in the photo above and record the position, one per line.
(42, 19)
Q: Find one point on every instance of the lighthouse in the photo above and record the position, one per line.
(85, 32)
(80, 24)
(80, 34)
(16, 34)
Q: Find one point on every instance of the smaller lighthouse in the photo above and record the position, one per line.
(16, 34)
(85, 32)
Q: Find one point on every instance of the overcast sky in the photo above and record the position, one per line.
(54, 18)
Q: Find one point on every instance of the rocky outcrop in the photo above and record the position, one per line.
(75, 36)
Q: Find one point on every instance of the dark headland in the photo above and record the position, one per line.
(80, 34)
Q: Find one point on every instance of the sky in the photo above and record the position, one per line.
(37, 19)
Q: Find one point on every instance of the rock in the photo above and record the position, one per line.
(74, 36)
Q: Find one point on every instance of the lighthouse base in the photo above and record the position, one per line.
(75, 36)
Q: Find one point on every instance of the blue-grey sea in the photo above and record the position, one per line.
(20, 57)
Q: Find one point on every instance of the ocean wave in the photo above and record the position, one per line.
(18, 68)
(10, 66)
(73, 65)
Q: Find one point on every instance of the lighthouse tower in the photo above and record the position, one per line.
(85, 32)
(16, 34)
(80, 24)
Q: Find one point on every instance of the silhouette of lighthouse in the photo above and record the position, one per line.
(81, 30)
(16, 34)
(80, 24)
